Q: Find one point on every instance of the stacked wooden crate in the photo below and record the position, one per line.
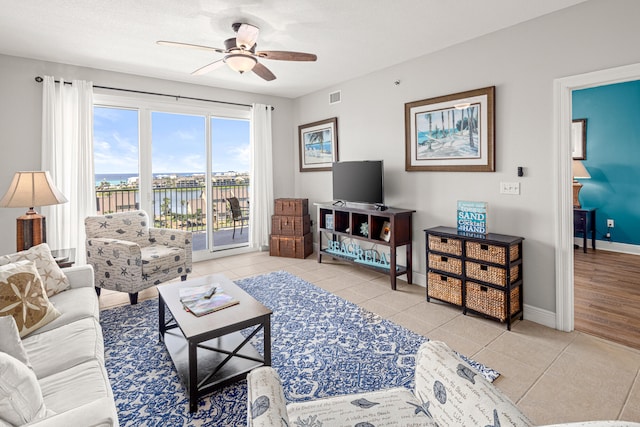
(291, 229)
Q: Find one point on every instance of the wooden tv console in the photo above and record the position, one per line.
(341, 223)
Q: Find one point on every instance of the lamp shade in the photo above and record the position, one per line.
(30, 189)
(579, 171)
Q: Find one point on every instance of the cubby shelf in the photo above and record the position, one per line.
(337, 223)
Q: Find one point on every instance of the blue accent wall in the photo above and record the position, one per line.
(613, 157)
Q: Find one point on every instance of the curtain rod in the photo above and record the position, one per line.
(40, 80)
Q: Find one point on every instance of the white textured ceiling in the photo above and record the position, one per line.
(351, 37)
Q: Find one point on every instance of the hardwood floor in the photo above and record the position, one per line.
(607, 295)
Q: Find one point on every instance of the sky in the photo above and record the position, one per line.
(178, 142)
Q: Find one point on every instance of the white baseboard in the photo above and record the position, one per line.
(419, 279)
(531, 313)
(606, 245)
(534, 314)
(539, 315)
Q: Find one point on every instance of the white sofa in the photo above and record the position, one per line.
(67, 357)
(448, 392)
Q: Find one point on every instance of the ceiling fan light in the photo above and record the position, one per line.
(240, 62)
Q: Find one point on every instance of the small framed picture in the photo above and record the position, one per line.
(579, 139)
(318, 145)
(385, 233)
(328, 221)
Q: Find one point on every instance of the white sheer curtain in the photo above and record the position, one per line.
(261, 190)
(67, 153)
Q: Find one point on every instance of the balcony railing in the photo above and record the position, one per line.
(177, 207)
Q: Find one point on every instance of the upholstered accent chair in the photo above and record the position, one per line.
(128, 255)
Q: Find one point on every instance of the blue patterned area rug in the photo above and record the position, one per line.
(322, 345)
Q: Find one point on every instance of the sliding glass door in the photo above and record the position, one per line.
(185, 166)
(230, 161)
(179, 171)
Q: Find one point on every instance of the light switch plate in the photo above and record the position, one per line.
(512, 188)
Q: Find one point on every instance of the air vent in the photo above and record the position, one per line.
(335, 97)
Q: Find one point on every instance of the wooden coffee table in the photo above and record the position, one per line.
(209, 352)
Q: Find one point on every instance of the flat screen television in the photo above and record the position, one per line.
(359, 181)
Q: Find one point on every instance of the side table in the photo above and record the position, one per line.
(584, 221)
(64, 257)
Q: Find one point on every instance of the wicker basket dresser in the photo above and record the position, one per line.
(482, 274)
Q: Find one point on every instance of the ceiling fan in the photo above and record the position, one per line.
(240, 53)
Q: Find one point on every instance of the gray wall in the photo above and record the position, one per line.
(21, 112)
(522, 62)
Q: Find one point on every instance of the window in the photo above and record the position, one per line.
(115, 158)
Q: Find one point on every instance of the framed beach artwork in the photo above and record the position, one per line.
(579, 139)
(318, 145)
(451, 133)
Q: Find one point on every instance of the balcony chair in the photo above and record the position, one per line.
(129, 256)
(237, 213)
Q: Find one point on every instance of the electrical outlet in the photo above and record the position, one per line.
(610, 223)
(512, 188)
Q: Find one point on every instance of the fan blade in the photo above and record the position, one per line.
(209, 67)
(193, 46)
(284, 55)
(247, 35)
(263, 72)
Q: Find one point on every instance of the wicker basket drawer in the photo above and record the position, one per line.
(445, 244)
(444, 288)
(445, 263)
(490, 274)
(490, 301)
(297, 207)
(290, 225)
(491, 253)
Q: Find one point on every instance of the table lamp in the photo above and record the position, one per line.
(29, 189)
(578, 172)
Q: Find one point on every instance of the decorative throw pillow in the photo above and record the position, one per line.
(22, 296)
(11, 342)
(20, 396)
(52, 276)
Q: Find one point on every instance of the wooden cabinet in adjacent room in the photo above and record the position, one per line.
(291, 229)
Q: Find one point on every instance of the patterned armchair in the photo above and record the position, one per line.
(448, 392)
(129, 256)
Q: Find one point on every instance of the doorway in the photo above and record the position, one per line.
(564, 213)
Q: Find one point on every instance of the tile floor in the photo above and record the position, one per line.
(553, 376)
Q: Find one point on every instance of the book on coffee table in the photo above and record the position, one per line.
(192, 293)
(202, 306)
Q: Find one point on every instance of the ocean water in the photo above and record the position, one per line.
(117, 178)
(113, 178)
